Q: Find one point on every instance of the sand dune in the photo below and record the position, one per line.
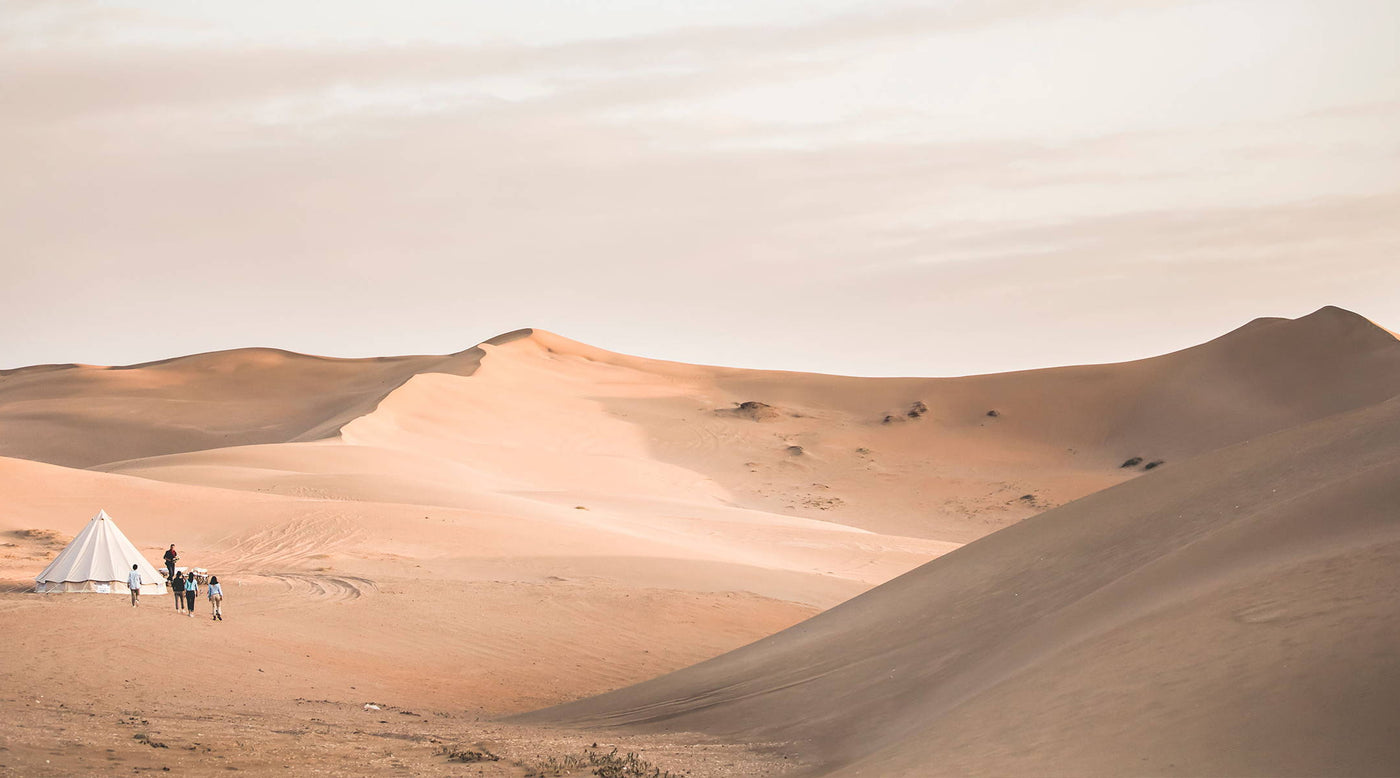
(535, 520)
(1230, 615)
(81, 415)
(541, 414)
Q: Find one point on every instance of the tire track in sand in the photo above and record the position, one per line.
(284, 552)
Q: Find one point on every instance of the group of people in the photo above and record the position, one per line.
(185, 587)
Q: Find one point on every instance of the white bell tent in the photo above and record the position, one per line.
(99, 560)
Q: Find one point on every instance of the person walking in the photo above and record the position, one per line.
(177, 585)
(171, 557)
(133, 582)
(216, 597)
(191, 591)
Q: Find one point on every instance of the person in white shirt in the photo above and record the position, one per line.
(133, 582)
(216, 597)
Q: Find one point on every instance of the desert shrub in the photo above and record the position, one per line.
(142, 737)
(753, 410)
(609, 765)
(1132, 462)
(467, 755)
(1152, 464)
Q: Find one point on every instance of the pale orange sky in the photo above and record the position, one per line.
(870, 188)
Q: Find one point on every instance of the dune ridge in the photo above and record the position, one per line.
(956, 471)
(83, 415)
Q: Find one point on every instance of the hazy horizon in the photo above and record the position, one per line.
(659, 356)
(868, 189)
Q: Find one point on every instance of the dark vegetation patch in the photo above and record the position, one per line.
(1152, 464)
(916, 411)
(609, 765)
(47, 536)
(142, 737)
(1132, 462)
(796, 451)
(993, 414)
(467, 755)
(752, 410)
(1031, 500)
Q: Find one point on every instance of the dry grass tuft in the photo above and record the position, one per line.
(609, 765)
(467, 755)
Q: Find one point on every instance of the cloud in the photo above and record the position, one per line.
(57, 82)
(1343, 231)
(38, 25)
(373, 198)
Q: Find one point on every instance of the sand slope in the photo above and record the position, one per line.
(956, 473)
(1230, 615)
(82, 415)
(543, 415)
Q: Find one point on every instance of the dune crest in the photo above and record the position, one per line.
(981, 453)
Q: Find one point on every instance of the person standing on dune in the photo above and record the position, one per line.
(177, 585)
(133, 582)
(171, 557)
(191, 591)
(216, 597)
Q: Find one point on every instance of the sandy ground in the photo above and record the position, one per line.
(534, 521)
(280, 685)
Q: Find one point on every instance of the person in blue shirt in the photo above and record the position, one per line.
(191, 591)
(216, 597)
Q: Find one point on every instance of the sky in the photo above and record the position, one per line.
(870, 188)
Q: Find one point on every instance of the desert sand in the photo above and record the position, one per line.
(975, 575)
